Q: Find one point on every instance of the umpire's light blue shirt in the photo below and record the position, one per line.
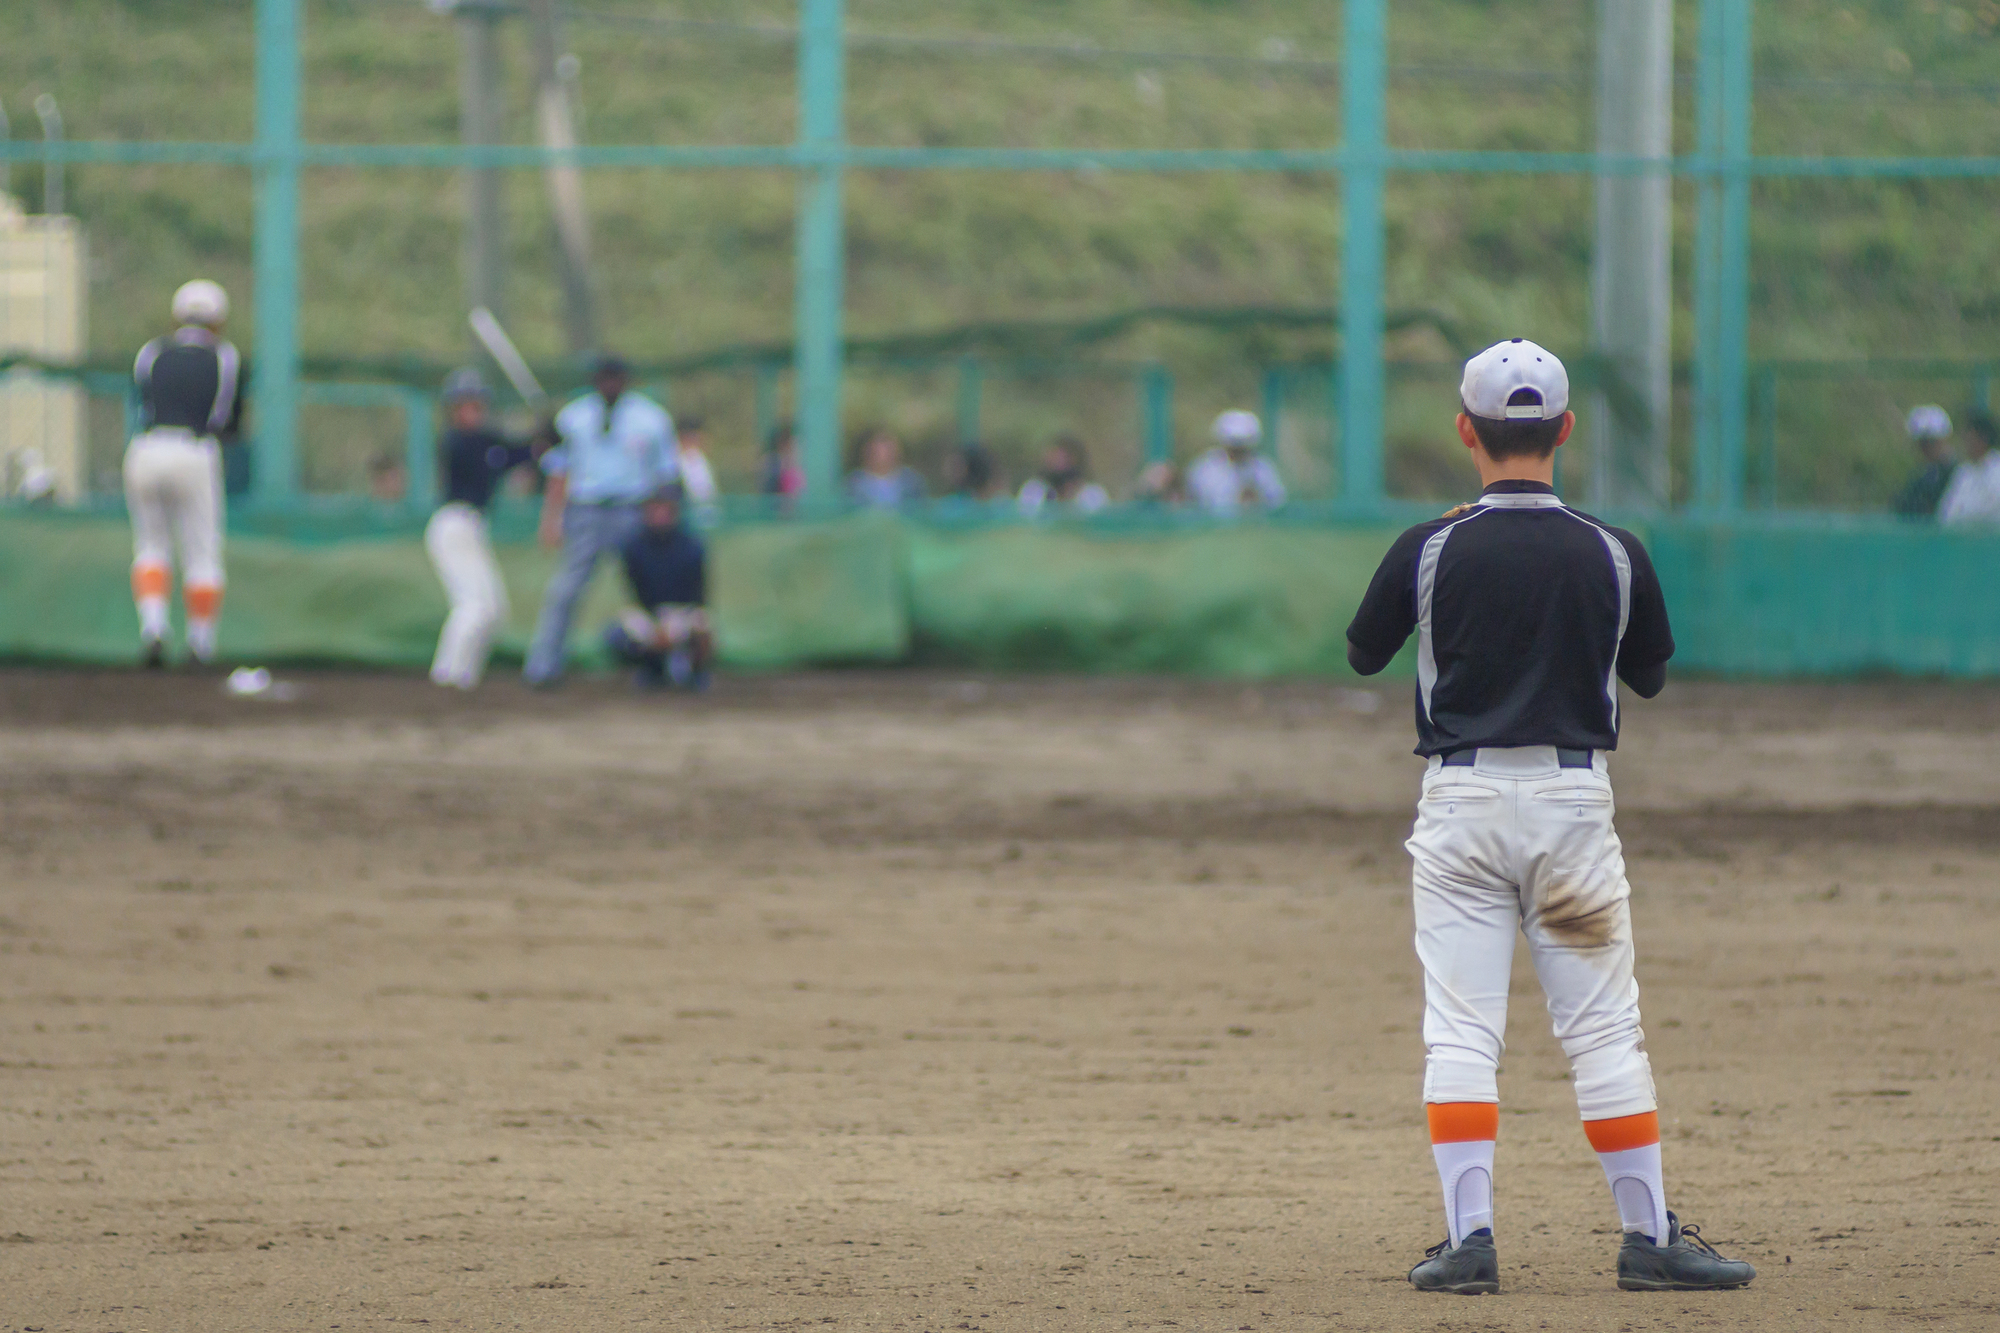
(619, 457)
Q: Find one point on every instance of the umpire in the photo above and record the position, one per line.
(614, 449)
(1527, 615)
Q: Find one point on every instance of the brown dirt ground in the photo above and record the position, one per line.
(918, 1001)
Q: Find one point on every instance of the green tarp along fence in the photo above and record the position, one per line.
(1828, 597)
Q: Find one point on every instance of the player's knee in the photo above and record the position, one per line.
(1456, 1074)
(1613, 1078)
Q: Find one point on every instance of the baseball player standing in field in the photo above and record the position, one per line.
(473, 459)
(190, 397)
(617, 447)
(1527, 615)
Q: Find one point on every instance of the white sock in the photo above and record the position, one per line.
(1465, 1170)
(201, 637)
(153, 618)
(1638, 1187)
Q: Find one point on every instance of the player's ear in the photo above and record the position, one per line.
(1569, 424)
(1466, 434)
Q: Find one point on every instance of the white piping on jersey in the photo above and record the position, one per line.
(228, 365)
(1521, 500)
(1621, 566)
(1433, 552)
(1427, 565)
(225, 386)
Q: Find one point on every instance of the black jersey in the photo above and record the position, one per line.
(666, 567)
(473, 461)
(190, 379)
(1526, 613)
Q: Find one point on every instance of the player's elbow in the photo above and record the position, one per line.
(1647, 681)
(1365, 662)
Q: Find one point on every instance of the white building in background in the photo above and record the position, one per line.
(43, 297)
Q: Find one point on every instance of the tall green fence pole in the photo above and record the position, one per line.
(1733, 328)
(275, 375)
(1363, 112)
(1722, 254)
(1156, 413)
(820, 263)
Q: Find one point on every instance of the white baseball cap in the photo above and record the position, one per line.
(1929, 422)
(201, 302)
(1237, 427)
(1503, 370)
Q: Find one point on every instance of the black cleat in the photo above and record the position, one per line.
(153, 657)
(1473, 1269)
(1685, 1263)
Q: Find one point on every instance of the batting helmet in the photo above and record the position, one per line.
(465, 383)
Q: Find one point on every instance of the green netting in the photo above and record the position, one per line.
(1251, 602)
(794, 595)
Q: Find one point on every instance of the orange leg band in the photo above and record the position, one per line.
(1623, 1133)
(203, 601)
(1463, 1122)
(151, 581)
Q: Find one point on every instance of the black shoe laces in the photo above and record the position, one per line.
(1692, 1234)
(1439, 1248)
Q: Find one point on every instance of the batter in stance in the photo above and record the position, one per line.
(190, 396)
(1527, 615)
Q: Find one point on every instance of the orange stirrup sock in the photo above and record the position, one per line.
(1628, 1148)
(151, 581)
(1462, 1135)
(1623, 1133)
(203, 600)
(1463, 1122)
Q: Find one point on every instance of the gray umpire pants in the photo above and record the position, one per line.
(589, 531)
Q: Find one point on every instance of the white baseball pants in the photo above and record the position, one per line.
(1516, 843)
(173, 490)
(463, 556)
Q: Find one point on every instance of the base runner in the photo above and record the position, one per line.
(190, 398)
(1527, 615)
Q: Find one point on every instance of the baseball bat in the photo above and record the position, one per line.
(508, 357)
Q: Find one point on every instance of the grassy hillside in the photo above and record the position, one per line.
(687, 261)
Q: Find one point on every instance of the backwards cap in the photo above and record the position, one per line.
(1494, 376)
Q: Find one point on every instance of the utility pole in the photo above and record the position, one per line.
(558, 131)
(1631, 294)
(479, 124)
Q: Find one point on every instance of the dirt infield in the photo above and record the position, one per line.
(903, 1001)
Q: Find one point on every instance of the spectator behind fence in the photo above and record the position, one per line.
(1063, 480)
(1233, 475)
(1930, 430)
(697, 475)
(783, 478)
(1160, 483)
(1973, 498)
(879, 480)
(972, 474)
(388, 478)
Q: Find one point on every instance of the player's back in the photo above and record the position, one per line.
(188, 380)
(1525, 613)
